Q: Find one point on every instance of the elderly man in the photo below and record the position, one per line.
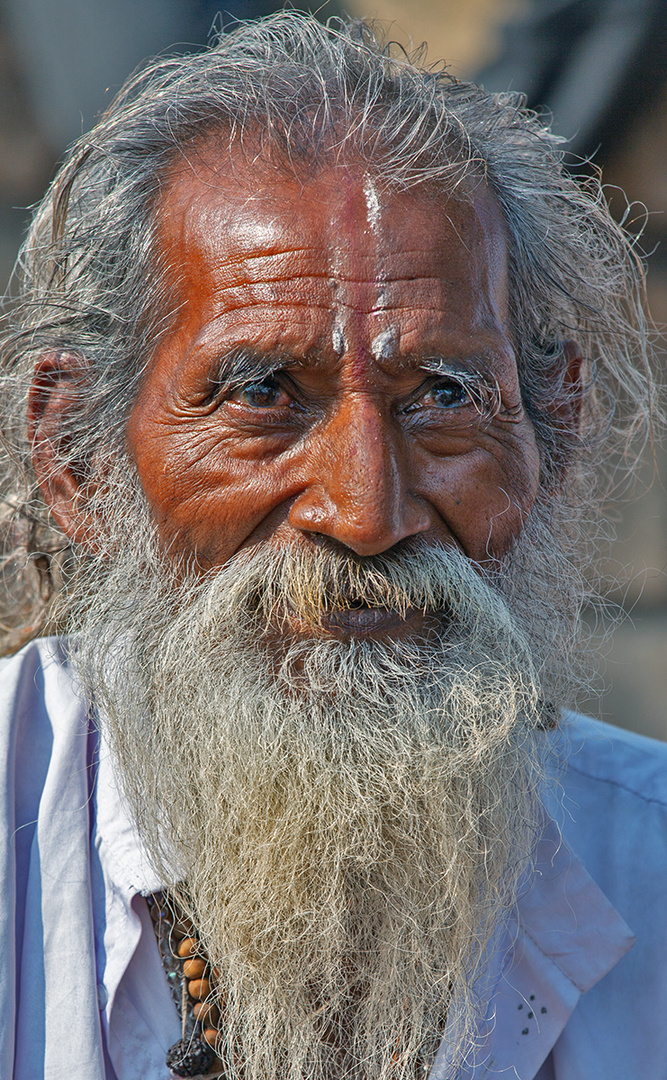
(316, 361)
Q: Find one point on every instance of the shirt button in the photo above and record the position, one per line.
(102, 997)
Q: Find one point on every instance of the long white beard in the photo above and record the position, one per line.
(351, 818)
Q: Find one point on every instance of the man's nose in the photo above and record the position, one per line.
(359, 482)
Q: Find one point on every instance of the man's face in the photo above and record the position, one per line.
(341, 365)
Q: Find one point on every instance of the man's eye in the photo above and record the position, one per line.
(445, 394)
(262, 394)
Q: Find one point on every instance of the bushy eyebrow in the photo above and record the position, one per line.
(243, 365)
(441, 365)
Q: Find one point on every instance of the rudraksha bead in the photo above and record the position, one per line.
(190, 1057)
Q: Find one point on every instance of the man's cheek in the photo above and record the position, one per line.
(512, 487)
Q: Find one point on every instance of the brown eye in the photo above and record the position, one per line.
(262, 394)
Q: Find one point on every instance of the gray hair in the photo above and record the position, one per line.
(90, 281)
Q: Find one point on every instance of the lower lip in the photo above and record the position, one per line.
(371, 621)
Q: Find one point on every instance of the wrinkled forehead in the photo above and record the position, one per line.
(225, 214)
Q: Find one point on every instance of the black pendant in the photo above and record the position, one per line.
(190, 1057)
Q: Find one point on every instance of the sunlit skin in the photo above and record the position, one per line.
(347, 297)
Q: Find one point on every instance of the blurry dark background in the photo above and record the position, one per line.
(599, 67)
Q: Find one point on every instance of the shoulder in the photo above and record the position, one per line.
(36, 680)
(610, 757)
(44, 652)
(43, 724)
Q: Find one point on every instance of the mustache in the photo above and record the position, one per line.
(268, 586)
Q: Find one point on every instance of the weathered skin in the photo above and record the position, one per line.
(353, 290)
(335, 454)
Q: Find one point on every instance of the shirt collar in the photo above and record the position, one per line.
(120, 848)
(563, 937)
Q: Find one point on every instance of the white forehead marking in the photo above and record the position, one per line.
(384, 344)
(337, 335)
(386, 338)
(372, 204)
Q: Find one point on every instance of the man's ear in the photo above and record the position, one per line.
(58, 382)
(568, 406)
(565, 411)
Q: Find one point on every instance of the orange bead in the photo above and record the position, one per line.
(194, 968)
(211, 1036)
(188, 947)
(199, 988)
(183, 928)
(206, 1012)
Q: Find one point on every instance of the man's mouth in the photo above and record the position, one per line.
(357, 620)
(361, 619)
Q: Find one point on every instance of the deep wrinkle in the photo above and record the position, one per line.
(355, 441)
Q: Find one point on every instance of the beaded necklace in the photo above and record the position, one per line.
(192, 982)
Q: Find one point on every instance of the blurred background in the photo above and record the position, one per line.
(600, 68)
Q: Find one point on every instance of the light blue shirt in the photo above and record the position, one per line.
(82, 992)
